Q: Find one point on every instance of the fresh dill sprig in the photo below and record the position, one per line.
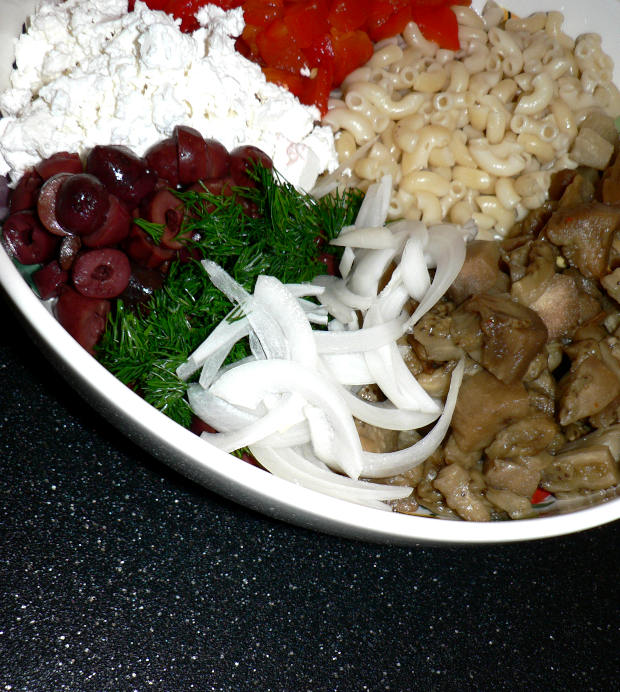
(282, 238)
(154, 230)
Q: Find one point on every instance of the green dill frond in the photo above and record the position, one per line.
(144, 348)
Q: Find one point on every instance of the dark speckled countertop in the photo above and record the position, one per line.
(117, 574)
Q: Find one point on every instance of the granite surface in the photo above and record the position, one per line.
(118, 574)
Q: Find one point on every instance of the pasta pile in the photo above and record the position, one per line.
(476, 133)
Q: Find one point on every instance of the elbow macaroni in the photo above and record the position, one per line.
(475, 133)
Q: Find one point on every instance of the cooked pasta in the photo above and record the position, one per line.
(477, 133)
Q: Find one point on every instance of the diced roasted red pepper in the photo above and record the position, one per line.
(294, 82)
(317, 89)
(438, 24)
(539, 496)
(321, 52)
(277, 48)
(185, 10)
(260, 13)
(307, 21)
(349, 15)
(392, 25)
(351, 50)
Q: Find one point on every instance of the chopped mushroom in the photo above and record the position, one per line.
(516, 506)
(585, 234)
(587, 390)
(516, 475)
(453, 482)
(479, 273)
(590, 467)
(485, 404)
(524, 437)
(513, 335)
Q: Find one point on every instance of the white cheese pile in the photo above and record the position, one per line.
(91, 73)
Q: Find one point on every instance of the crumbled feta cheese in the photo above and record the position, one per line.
(92, 73)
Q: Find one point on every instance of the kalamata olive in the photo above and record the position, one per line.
(242, 159)
(4, 197)
(167, 209)
(46, 203)
(24, 194)
(61, 162)
(114, 228)
(82, 203)
(101, 273)
(139, 246)
(27, 240)
(218, 159)
(50, 279)
(217, 186)
(70, 245)
(192, 154)
(162, 158)
(123, 173)
(142, 284)
(84, 318)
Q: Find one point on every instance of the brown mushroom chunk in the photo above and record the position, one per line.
(479, 273)
(524, 437)
(484, 405)
(453, 482)
(590, 467)
(579, 190)
(585, 235)
(433, 332)
(516, 506)
(587, 390)
(611, 283)
(512, 474)
(513, 335)
(559, 306)
(540, 270)
(610, 186)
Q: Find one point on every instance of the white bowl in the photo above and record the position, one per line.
(231, 477)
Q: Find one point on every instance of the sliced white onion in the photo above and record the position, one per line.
(248, 384)
(360, 340)
(369, 238)
(295, 467)
(377, 465)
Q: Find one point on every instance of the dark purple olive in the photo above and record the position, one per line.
(61, 162)
(166, 209)
(192, 154)
(122, 172)
(218, 159)
(24, 194)
(50, 279)
(27, 240)
(46, 203)
(70, 245)
(113, 230)
(139, 246)
(143, 282)
(84, 318)
(101, 273)
(82, 203)
(162, 158)
(242, 159)
(4, 197)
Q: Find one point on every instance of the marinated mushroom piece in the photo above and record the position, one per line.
(376, 439)
(426, 494)
(516, 506)
(585, 234)
(454, 483)
(580, 190)
(587, 389)
(520, 475)
(559, 306)
(610, 183)
(591, 467)
(540, 270)
(480, 271)
(433, 333)
(513, 335)
(484, 405)
(611, 283)
(524, 437)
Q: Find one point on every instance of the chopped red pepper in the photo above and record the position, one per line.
(278, 49)
(349, 15)
(539, 496)
(438, 24)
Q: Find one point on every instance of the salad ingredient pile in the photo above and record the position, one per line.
(92, 72)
